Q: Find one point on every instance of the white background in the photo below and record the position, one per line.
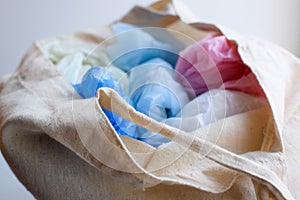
(22, 22)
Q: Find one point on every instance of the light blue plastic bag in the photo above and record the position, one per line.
(133, 46)
(155, 93)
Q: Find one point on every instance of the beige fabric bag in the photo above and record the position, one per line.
(252, 155)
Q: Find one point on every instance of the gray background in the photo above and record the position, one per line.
(22, 22)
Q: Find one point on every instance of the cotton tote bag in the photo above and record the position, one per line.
(252, 155)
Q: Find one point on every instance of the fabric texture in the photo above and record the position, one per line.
(251, 155)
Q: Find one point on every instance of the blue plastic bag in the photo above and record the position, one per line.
(155, 93)
(98, 77)
(134, 46)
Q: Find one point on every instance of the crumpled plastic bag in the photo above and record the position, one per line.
(207, 108)
(73, 59)
(154, 91)
(212, 106)
(157, 94)
(98, 77)
(133, 42)
(214, 62)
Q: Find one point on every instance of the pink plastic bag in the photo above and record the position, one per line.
(214, 62)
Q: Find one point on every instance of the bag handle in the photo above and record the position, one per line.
(112, 101)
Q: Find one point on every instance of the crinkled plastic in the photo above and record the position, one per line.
(155, 93)
(120, 76)
(214, 62)
(207, 108)
(214, 105)
(133, 46)
(95, 78)
(71, 67)
(57, 50)
(73, 59)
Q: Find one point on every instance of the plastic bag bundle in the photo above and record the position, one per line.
(155, 93)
